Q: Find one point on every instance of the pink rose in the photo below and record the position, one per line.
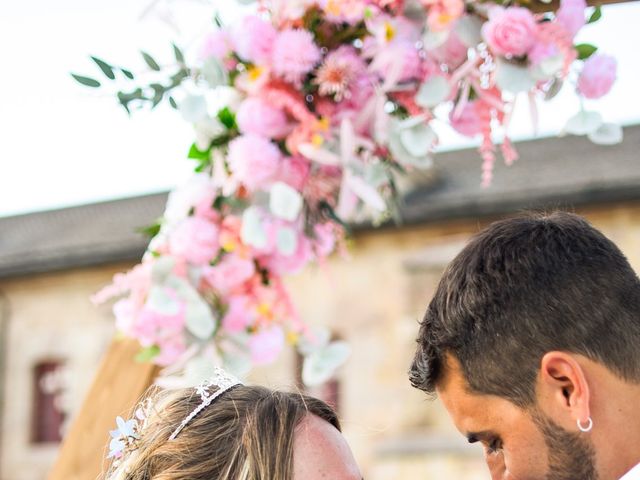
(266, 345)
(442, 13)
(510, 31)
(261, 118)
(597, 76)
(469, 122)
(253, 39)
(541, 52)
(239, 314)
(254, 160)
(571, 15)
(195, 239)
(230, 273)
(294, 54)
(452, 53)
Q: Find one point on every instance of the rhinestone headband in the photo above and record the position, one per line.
(220, 379)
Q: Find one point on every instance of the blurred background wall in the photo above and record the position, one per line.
(52, 338)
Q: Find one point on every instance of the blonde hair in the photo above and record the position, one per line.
(245, 434)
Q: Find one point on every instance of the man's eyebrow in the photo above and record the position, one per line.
(473, 437)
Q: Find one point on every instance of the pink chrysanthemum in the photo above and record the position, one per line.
(294, 54)
(337, 73)
(254, 161)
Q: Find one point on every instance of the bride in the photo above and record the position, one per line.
(224, 430)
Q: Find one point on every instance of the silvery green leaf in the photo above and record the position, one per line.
(238, 364)
(286, 241)
(322, 364)
(469, 30)
(417, 141)
(206, 130)
(198, 369)
(193, 108)
(199, 319)
(314, 339)
(411, 141)
(554, 89)
(547, 68)
(285, 202)
(214, 72)
(607, 134)
(514, 78)
(375, 174)
(433, 40)
(161, 302)
(253, 232)
(433, 91)
(584, 123)
(162, 268)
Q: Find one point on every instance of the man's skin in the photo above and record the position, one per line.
(320, 452)
(570, 388)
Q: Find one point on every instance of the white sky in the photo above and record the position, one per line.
(62, 144)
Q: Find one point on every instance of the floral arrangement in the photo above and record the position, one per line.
(305, 112)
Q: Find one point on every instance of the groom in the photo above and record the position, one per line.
(532, 342)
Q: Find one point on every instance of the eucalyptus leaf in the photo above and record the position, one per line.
(596, 15)
(127, 73)
(178, 53)
(173, 103)
(105, 67)
(86, 81)
(607, 134)
(585, 50)
(150, 61)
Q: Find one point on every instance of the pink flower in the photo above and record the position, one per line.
(266, 345)
(282, 264)
(510, 31)
(195, 239)
(325, 239)
(261, 118)
(216, 45)
(254, 160)
(469, 122)
(294, 171)
(542, 51)
(230, 273)
(571, 15)
(452, 53)
(294, 54)
(597, 76)
(253, 39)
(171, 349)
(239, 314)
(442, 12)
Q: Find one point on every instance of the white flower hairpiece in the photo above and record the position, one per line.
(222, 381)
(127, 433)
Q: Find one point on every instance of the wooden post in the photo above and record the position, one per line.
(119, 383)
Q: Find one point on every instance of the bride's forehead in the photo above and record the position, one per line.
(320, 451)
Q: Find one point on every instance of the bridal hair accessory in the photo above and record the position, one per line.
(221, 381)
(127, 433)
(587, 428)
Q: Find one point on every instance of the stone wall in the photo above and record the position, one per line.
(374, 300)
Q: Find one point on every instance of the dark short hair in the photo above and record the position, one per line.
(521, 288)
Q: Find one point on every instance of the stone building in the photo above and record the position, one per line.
(52, 338)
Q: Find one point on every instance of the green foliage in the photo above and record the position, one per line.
(86, 81)
(151, 230)
(147, 354)
(596, 15)
(227, 118)
(173, 103)
(585, 50)
(127, 73)
(203, 157)
(105, 67)
(150, 61)
(178, 54)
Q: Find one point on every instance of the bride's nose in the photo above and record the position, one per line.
(497, 468)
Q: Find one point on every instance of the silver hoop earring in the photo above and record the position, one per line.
(587, 428)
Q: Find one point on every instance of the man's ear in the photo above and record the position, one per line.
(563, 390)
